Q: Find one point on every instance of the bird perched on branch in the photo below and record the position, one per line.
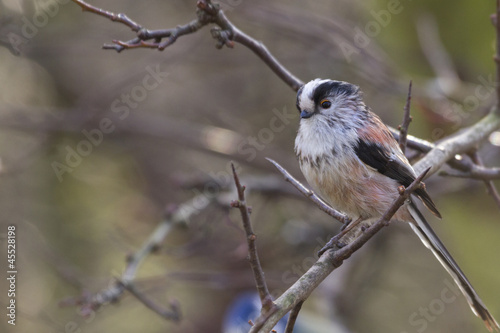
(352, 160)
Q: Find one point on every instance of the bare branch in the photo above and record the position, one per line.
(253, 257)
(403, 129)
(173, 313)
(310, 195)
(331, 260)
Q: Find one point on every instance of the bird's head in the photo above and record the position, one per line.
(327, 98)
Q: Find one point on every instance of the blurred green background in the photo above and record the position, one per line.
(76, 225)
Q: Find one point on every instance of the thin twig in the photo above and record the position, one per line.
(490, 186)
(293, 317)
(492, 190)
(261, 50)
(173, 313)
(403, 129)
(331, 260)
(121, 18)
(310, 195)
(253, 257)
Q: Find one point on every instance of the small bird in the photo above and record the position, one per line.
(350, 158)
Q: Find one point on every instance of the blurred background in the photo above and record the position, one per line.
(96, 146)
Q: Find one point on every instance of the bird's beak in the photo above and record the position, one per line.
(306, 114)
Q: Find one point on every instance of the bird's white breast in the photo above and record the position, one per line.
(330, 165)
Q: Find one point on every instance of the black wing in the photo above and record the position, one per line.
(380, 159)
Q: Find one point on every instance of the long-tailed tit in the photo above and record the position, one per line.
(351, 159)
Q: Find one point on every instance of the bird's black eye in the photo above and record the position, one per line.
(325, 104)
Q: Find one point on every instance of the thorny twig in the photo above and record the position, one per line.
(403, 129)
(253, 257)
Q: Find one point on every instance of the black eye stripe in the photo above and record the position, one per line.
(333, 88)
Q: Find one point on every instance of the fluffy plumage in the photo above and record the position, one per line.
(351, 159)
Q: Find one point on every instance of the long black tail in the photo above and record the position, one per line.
(431, 241)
